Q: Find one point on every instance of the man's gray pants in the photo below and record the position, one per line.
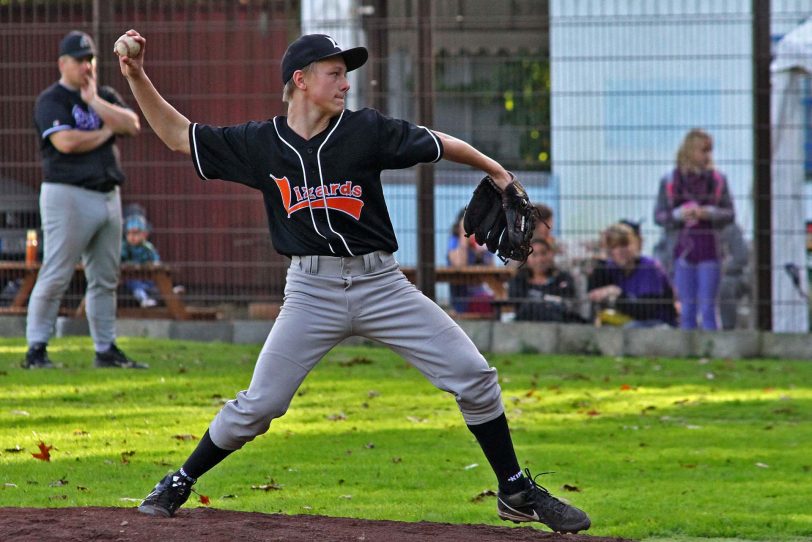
(328, 299)
(77, 224)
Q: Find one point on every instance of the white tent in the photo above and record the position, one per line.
(791, 65)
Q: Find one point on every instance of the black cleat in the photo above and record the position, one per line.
(169, 495)
(115, 358)
(536, 504)
(37, 358)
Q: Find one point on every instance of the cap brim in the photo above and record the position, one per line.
(82, 53)
(354, 58)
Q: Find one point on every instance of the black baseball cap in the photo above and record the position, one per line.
(77, 44)
(312, 47)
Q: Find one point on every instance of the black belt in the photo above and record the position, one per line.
(106, 187)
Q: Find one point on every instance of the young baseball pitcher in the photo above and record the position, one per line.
(318, 169)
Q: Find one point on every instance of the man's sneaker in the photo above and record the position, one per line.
(114, 357)
(169, 495)
(37, 358)
(536, 504)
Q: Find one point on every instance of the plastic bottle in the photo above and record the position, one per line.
(31, 245)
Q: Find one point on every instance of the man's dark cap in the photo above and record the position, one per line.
(313, 47)
(77, 44)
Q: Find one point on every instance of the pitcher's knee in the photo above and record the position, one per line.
(242, 420)
(480, 398)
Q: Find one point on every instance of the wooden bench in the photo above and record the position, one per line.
(160, 274)
(494, 277)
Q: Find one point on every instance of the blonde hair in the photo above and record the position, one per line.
(618, 235)
(694, 137)
(290, 86)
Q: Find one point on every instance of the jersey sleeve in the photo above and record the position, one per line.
(222, 153)
(51, 116)
(403, 144)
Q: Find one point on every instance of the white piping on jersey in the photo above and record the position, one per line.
(194, 149)
(321, 180)
(307, 189)
(436, 142)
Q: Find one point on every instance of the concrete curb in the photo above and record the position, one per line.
(497, 337)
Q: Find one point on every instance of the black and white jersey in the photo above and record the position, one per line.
(323, 196)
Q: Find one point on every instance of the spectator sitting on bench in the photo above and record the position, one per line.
(629, 289)
(136, 249)
(542, 292)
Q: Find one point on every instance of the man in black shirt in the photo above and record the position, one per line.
(78, 123)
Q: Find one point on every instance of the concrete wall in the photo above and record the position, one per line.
(497, 337)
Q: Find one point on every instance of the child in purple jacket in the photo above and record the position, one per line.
(635, 286)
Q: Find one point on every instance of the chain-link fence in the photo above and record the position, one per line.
(586, 101)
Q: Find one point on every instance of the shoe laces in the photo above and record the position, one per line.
(168, 493)
(542, 497)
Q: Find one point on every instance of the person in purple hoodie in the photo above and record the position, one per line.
(635, 287)
(694, 205)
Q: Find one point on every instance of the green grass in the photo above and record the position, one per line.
(658, 449)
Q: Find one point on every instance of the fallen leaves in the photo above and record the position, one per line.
(44, 452)
(482, 495)
(125, 456)
(568, 487)
(268, 487)
(184, 437)
(59, 483)
(357, 360)
(204, 500)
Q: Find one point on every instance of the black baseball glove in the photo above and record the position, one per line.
(502, 220)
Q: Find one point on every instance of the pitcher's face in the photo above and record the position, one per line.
(327, 84)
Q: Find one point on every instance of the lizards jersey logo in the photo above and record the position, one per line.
(344, 197)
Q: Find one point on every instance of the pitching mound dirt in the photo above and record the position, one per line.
(126, 524)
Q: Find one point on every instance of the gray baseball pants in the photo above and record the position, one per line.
(328, 299)
(77, 224)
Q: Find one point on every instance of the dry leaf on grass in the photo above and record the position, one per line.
(44, 452)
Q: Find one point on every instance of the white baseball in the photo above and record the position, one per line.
(127, 46)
